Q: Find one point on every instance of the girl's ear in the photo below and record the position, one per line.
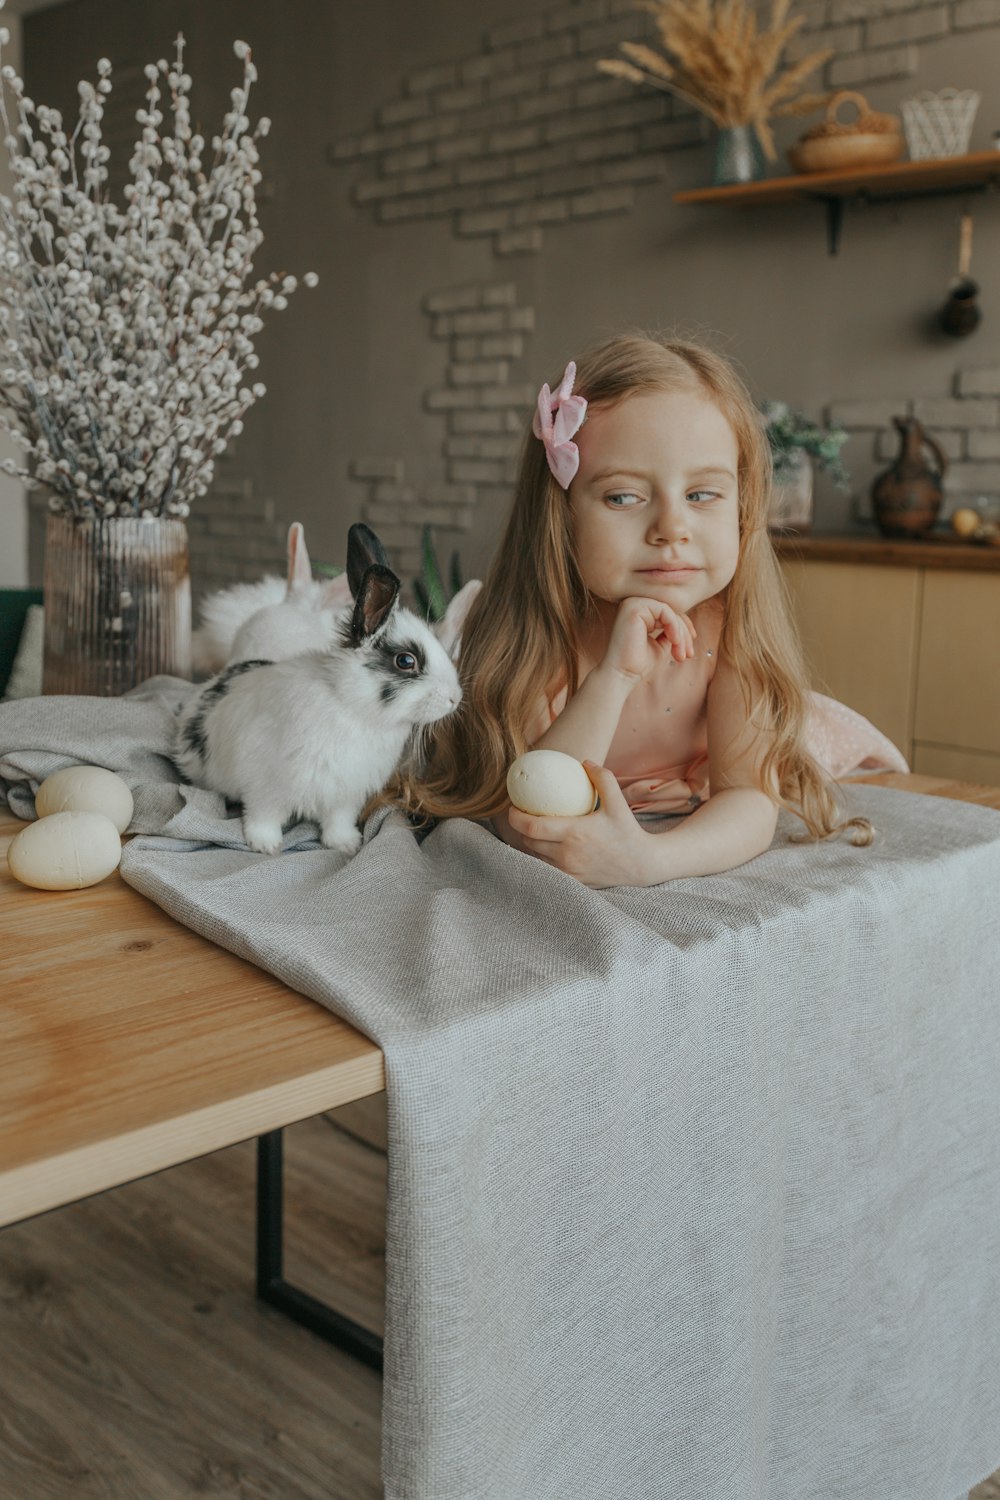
(375, 600)
(364, 551)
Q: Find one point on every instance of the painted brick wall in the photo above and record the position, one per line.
(965, 424)
(468, 180)
(524, 138)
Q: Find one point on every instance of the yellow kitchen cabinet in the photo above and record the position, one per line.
(908, 633)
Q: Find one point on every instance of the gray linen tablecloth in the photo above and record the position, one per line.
(693, 1190)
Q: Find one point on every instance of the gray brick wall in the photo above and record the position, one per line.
(965, 425)
(527, 134)
(233, 534)
(523, 134)
(482, 406)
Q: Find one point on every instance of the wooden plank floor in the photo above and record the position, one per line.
(135, 1363)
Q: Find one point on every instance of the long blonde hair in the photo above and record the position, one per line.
(521, 632)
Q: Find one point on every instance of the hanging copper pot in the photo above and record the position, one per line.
(961, 314)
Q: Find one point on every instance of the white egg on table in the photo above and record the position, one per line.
(86, 789)
(65, 851)
(550, 784)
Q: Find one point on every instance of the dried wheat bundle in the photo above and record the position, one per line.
(718, 57)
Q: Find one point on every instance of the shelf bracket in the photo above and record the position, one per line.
(834, 204)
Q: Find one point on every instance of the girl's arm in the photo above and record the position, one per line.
(608, 847)
(737, 822)
(643, 633)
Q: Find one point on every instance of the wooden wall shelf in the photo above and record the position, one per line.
(978, 171)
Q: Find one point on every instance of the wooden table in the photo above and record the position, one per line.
(129, 1044)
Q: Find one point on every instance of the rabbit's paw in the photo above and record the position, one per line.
(340, 833)
(262, 835)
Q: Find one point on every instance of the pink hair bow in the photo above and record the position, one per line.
(556, 421)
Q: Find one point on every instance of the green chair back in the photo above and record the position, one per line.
(14, 605)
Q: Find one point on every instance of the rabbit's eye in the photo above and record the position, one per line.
(405, 661)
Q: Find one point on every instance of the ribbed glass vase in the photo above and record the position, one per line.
(117, 604)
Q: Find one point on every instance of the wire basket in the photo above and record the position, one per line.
(939, 124)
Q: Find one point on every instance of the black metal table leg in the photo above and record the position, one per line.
(271, 1284)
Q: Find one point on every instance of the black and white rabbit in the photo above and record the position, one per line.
(316, 735)
(275, 618)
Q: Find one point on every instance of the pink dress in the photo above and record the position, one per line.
(660, 749)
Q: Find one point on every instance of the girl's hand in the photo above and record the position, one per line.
(607, 847)
(643, 631)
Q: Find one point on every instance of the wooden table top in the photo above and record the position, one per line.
(129, 1043)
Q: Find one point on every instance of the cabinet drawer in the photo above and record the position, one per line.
(958, 683)
(858, 627)
(957, 765)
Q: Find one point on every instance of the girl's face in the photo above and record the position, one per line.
(654, 507)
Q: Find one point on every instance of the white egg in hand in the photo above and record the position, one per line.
(65, 851)
(550, 784)
(86, 789)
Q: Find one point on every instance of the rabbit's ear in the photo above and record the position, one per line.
(336, 592)
(375, 601)
(364, 550)
(299, 566)
(449, 628)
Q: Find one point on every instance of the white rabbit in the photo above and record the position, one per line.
(274, 617)
(304, 618)
(316, 735)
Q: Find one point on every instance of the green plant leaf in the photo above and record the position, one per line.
(430, 578)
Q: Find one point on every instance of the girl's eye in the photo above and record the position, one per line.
(624, 500)
(405, 661)
(700, 496)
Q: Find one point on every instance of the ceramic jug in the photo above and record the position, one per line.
(907, 497)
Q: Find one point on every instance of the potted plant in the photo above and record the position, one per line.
(128, 345)
(718, 57)
(797, 442)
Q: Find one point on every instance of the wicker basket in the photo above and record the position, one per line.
(835, 145)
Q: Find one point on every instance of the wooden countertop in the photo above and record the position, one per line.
(935, 786)
(932, 552)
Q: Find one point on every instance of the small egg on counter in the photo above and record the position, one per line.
(65, 851)
(965, 520)
(86, 789)
(550, 784)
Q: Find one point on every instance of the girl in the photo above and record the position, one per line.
(634, 618)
